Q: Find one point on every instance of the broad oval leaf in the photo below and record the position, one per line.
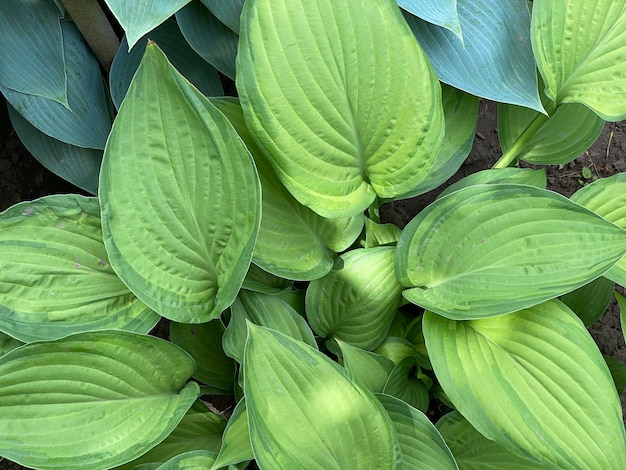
(341, 98)
(421, 444)
(180, 203)
(55, 277)
(137, 18)
(473, 451)
(86, 121)
(294, 242)
(358, 302)
(488, 250)
(439, 12)
(91, 400)
(31, 49)
(368, 369)
(304, 412)
(495, 58)
(236, 445)
(508, 175)
(579, 48)
(228, 11)
(535, 382)
(607, 197)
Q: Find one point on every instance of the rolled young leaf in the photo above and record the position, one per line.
(91, 400)
(304, 412)
(341, 98)
(535, 382)
(180, 197)
(55, 276)
(488, 250)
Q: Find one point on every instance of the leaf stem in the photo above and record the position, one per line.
(509, 158)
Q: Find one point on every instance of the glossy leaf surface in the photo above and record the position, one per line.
(534, 382)
(341, 98)
(91, 400)
(463, 254)
(180, 204)
(55, 277)
(304, 412)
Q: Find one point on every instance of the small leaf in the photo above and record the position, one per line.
(55, 277)
(304, 412)
(508, 175)
(194, 460)
(368, 369)
(258, 280)
(180, 204)
(91, 400)
(618, 372)
(341, 98)
(402, 383)
(590, 301)
(461, 256)
(421, 444)
(621, 301)
(441, 13)
(380, 234)
(236, 445)
(396, 349)
(579, 48)
(534, 382)
(358, 302)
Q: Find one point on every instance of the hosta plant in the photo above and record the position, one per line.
(253, 225)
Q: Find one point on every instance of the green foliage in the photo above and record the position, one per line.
(254, 226)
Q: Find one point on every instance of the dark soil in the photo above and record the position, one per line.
(23, 178)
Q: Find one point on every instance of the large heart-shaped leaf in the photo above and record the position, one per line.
(180, 197)
(304, 412)
(487, 250)
(293, 242)
(439, 12)
(342, 99)
(495, 58)
(55, 277)
(535, 382)
(92, 400)
(579, 48)
(31, 49)
(358, 302)
(137, 18)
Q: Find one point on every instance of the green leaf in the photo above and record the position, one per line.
(618, 372)
(368, 369)
(294, 242)
(590, 301)
(579, 48)
(194, 460)
(508, 175)
(180, 204)
(473, 451)
(31, 49)
(138, 18)
(204, 343)
(441, 13)
(396, 349)
(200, 429)
(488, 250)
(258, 280)
(169, 38)
(270, 311)
(495, 58)
(55, 277)
(341, 98)
(80, 166)
(91, 400)
(421, 444)
(571, 130)
(534, 382)
(228, 11)
(304, 412)
(87, 121)
(236, 445)
(380, 234)
(358, 302)
(7, 343)
(210, 38)
(607, 197)
(621, 301)
(402, 383)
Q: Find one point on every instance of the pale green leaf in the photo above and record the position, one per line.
(236, 445)
(358, 302)
(579, 48)
(380, 234)
(258, 280)
(439, 12)
(535, 382)
(421, 444)
(204, 343)
(473, 451)
(368, 369)
(137, 18)
(396, 349)
(590, 301)
(508, 175)
(294, 242)
(180, 203)
(194, 460)
(228, 11)
(31, 49)
(341, 98)
(91, 400)
(402, 383)
(55, 277)
(488, 250)
(304, 412)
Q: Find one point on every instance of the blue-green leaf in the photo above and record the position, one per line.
(227, 11)
(438, 12)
